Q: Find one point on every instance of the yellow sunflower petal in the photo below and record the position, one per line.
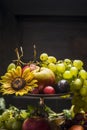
(19, 71)
(29, 77)
(7, 91)
(12, 73)
(26, 72)
(8, 75)
(32, 82)
(15, 73)
(6, 85)
(29, 88)
(21, 92)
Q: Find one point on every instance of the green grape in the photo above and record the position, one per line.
(58, 76)
(11, 66)
(23, 114)
(78, 102)
(67, 74)
(85, 82)
(1, 119)
(83, 74)
(5, 115)
(72, 87)
(68, 67)
(74, 71)
(1, 122)
(84, 98)
(9, 123)
(67, 61)
(77, 84)
(51, 59)
(78, 64)
(60, 67)
(83, 91)
(75, 99)
(2, 125)
(44, 64)
(43, 56)
(17, 125)
(59, 61)
(52, 66)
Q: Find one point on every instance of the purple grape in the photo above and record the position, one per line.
(79, 117)
(63, 86)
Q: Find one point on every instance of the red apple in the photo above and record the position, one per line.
(44, 76)
(49, 90)
(37, 123)
(76, 127)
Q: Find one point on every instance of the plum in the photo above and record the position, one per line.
(62, 86)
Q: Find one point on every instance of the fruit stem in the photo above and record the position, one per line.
(41, 101)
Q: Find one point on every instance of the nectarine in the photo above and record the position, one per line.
(76, 127)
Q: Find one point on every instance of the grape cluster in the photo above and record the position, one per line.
(73, 71)
(12, 118)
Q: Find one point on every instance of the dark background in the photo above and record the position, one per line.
(58, 28)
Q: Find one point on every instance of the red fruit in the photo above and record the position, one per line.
(25, 67)
(49, 90)
(40, 88)
(36, 124)
(76, 127)
(33, 67)
(35, 91)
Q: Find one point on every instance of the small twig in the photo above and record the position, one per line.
(16, 50)
(19, 56)
(21, 49)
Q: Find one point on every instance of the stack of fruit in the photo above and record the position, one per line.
(47, 76)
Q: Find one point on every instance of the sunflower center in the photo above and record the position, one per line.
(18, 83)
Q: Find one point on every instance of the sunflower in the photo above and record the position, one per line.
(17, 81)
